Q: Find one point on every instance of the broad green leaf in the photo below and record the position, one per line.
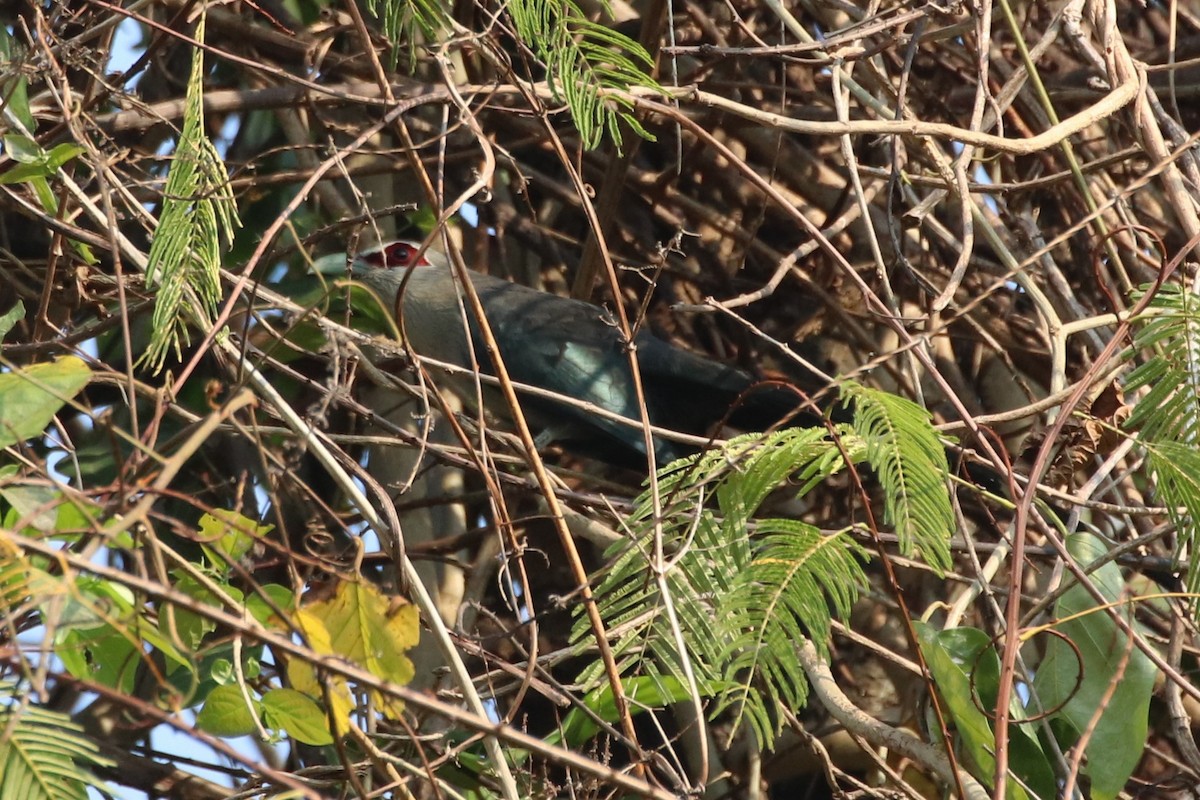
(133, 623)
(74, 514)
(297, 715)
(100, 654)
(261, 610)
(22, 149)
(11, 317)
(45, 509)
(31, 396)
(646, 692)
(33, 503)
(1116, 682)
(190, 627)
(102, 604)
(14, 94)
(34, 163)
(962, 658)
(226, 713)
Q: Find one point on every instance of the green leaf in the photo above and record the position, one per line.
(19, 580)
(229, 532)
(1176, 466)
(14, 93)
(179, 623)
(43, 754)
(1116, 682)
(11, 317)
(1170, 411)
(74, 514)
(35, 166)
(585, 62)
(60, 154)
(410, 21)
(225, 713)
(199, 214)
(741, 601)
(904, 450)
(788, 593)
(100, 654)
(261, 610)
(222, 670)
(101, 604)
(22, 149)
(36, 504)
(1167, 415)
(578, 727)
(298, 715)
(45, 510)
(960, 660)
(31, 396)
(33, 162)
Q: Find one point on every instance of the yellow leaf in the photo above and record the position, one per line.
(226, 531)
(303, 677)
(367, 628)
(300, 673)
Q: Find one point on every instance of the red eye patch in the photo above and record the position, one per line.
(402, 254)
(394, 255)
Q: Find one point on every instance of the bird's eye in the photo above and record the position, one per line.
(400, 254)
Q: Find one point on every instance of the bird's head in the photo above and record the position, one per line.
(400, 254)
